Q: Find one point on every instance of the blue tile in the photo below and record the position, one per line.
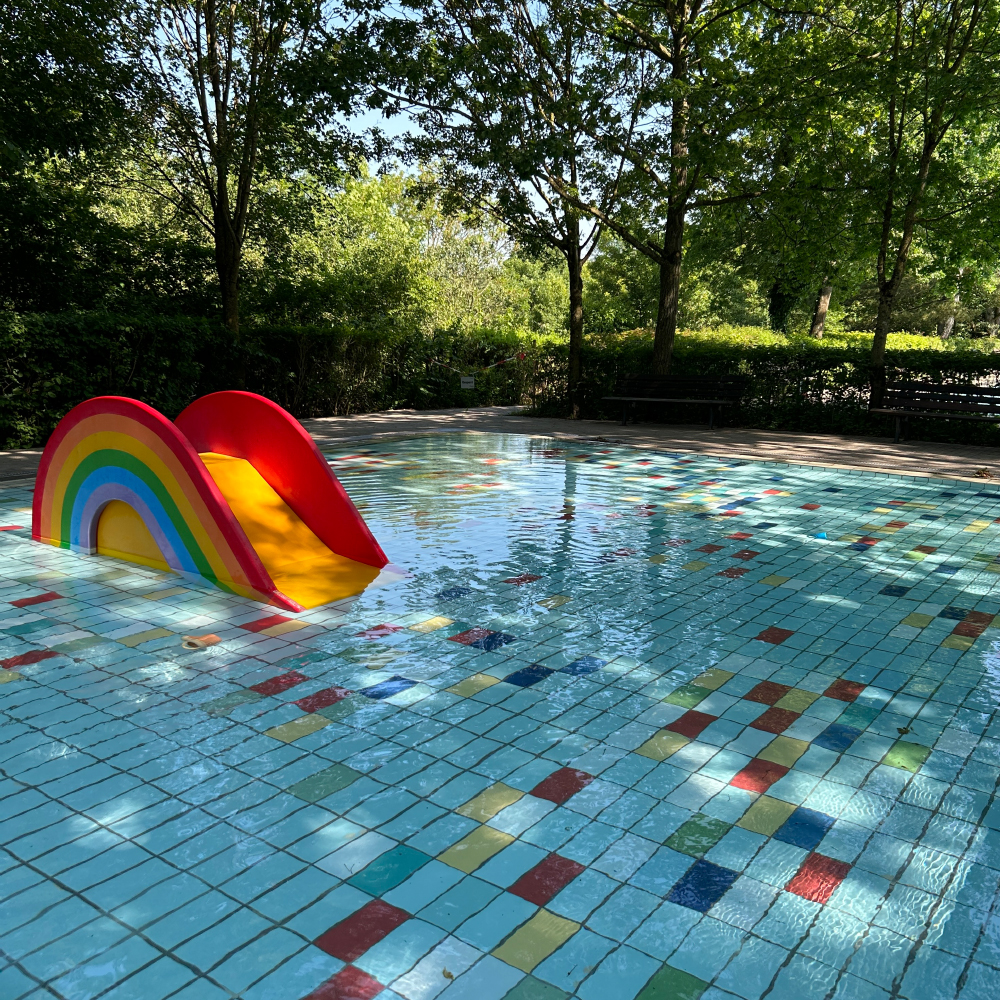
(805, 828)
(527, 676)
(387, 688)
(702, 886)
(584, 665)
(837, 737)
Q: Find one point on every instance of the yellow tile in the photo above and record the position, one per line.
(662, 745)
(147, 636)
(556, 601)
(289, 732)
(658, 559)
(958, 642)
(849, 538)
(976, 526)
(797, 700)
(489, 802)
(915, 556)
(432, 624)
(766, 815)
(774, 580)
(473, 685)
(6, 676)
(158, 595)
(784, 750)
(536, 940)
(870, 527)
(694, 565)
(883, 510)
(713, 679)
(282, 627)
(475, 848)
(992, 567)
(917, 620)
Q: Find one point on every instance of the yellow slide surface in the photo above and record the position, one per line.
(300, 565)
(122, 534)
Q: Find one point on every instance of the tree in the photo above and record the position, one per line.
(497, 91)
(925, 116)
(231, 102)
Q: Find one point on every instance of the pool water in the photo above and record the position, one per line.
(616, 724)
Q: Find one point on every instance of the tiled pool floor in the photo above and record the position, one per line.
(636, 725)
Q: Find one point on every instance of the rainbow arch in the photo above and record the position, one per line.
(118, 477)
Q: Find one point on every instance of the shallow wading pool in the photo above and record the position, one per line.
(635, 724)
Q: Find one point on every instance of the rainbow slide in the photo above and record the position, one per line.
(234, 492)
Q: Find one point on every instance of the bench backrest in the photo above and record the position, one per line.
(938, 396)
(670, 386)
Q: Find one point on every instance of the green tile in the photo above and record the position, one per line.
(319, 786)
(698, 835)
(225, 704)
(389, 870)
(530, 988)
(859, 716)
(687, 696)
(75, 645)
(343, 708)
(908, 756)
(672, 984)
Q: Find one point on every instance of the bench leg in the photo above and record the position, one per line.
(896, 439)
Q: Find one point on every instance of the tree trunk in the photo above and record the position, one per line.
(670, 287)
(883, 322)
(819, 313)
(945, 327)
(575, 264)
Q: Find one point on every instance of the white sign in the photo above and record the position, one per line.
(468, 382)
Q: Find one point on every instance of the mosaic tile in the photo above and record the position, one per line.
(653, 775)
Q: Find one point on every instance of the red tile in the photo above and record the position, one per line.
(348, 984)
(745, 554)
(767, 693)
(734, 572)
(774, 720)
(691, 723)
(280, 683)
(740, 536)
(561, 785)
(868, 540)
(979, 618)
(896, 524)
(470, 636)
(969, 629)
(26, 602)
(355, 934)
(23, 659)
(378, 631)
(322, 699)
(11, 527)
(818, 877)
(844, 690)
(759, 775)
(262, 623)
(926, 549)
(769, 493)
(547, 878)
(810, 506)
(523, 578)
(709, 548)
(775, 635)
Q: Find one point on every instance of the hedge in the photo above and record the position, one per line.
(53, 361)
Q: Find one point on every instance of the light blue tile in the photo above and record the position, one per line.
(329, 910)
(257, 959)
(400, 950)
(583, 895)
(569, 965)
(154, 982)
(493, 923)
(298, 977)
(622, 974)
(707, 948)
(423, 887)
(750, 972)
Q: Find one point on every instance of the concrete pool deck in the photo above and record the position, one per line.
(922, 458)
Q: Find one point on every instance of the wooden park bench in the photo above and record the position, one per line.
(711, 392)
(904, 400)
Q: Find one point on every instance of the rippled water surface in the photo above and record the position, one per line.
(614, 724)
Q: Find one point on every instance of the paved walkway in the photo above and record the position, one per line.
(831, 450)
